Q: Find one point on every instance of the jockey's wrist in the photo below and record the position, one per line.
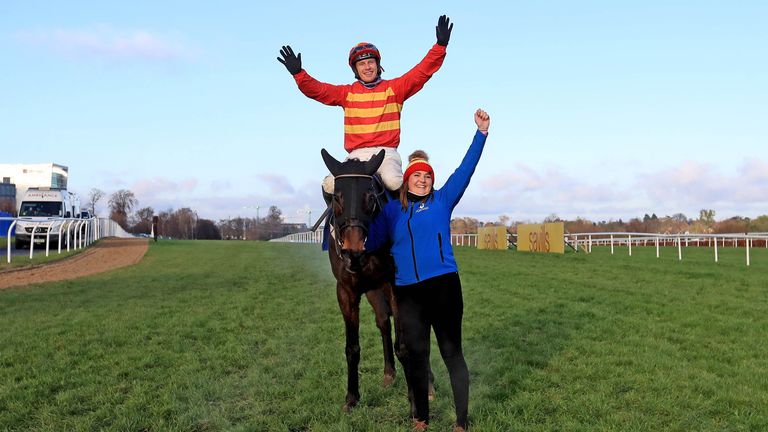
(483, 131)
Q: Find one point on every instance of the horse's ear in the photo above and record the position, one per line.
(333, 165)
(374, 163)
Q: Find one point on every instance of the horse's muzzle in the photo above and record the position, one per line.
(355, 259)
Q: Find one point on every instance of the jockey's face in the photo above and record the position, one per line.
(420, 183)
(367, 70)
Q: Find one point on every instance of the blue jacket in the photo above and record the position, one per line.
(421, 234)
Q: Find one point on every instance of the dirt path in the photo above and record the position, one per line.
(108, 254)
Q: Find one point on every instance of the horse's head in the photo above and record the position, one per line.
(354, 201)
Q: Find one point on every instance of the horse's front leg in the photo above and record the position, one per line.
(349, 303)
(381, 308)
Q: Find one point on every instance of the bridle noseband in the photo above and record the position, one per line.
(352, 220)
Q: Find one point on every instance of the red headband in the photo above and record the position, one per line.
(418, 165)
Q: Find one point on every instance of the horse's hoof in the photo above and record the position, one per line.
(349, 405)
(388, 380)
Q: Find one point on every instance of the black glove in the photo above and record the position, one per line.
(443, 30)
(291, 62)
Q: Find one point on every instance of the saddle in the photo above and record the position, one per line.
(382, 194)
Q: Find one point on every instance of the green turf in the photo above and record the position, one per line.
(246, 336)
(38, 256)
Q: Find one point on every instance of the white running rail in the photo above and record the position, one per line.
(748, 241)
(70, 233)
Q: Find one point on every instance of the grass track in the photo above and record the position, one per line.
(38, 257)
(247, 336)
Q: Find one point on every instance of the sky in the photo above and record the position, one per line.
(599, 109)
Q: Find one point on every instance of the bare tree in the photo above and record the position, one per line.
(206, 229)
(95, 195)
(142, 220)
(120, 205)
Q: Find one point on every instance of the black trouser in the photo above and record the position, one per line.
(435, 303)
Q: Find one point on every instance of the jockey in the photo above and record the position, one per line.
(371, 104)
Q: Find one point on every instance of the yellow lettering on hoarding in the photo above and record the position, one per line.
(547, 237)
(492, 238)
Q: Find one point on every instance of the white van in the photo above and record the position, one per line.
(43, 204)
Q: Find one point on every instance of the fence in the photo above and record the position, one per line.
(630, 240)
(303, 237)
(317, 237)
(70, 233)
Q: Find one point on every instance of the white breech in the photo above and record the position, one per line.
(391, 169)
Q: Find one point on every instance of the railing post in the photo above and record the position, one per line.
(10, 228)
(679, 249)
(657, 247)
(32, 240)
(611, 244)
(746, 246)
(715, 249)
(629, 243)
(48, 238)
(61, 226)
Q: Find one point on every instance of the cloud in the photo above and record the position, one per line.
(706, 186)
(162, 187)
(277, 184)
(523, 192)
(529, 192)
(107, 43)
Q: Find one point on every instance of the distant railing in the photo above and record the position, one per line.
(585, 241)
(302, 237)
(748, 241)
(317, 237)
(70, 233)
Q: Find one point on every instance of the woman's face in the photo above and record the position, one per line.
(420, 183)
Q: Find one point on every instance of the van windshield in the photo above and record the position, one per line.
(40, 208)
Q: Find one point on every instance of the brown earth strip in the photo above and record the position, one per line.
(107, 254)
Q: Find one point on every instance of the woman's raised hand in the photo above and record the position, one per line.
(483, 120)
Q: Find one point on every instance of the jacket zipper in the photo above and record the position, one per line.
(440, 245)
(413, 246)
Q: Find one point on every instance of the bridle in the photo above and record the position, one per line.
(352, 199)
(350, 221)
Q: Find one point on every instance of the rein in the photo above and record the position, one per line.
(337, 241)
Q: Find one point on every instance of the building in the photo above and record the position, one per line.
(25, 176)
(7, 196)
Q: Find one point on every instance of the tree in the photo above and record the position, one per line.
(503, 220)
(207, 230)
(707, 217)
(273, 223)
(120, 205)
(95, 195)
(142, 220)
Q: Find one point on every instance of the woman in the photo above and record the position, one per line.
(427, 285)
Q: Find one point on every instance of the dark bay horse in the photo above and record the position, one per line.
(357, 273)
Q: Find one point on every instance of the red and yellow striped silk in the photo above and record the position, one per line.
(372, 117)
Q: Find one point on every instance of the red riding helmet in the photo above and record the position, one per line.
(363, 50)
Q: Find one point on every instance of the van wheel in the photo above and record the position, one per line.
(20, 244)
